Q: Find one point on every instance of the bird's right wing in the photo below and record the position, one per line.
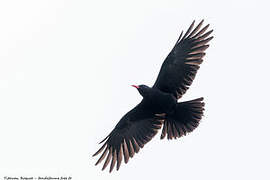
(134, 130)
(180, 67)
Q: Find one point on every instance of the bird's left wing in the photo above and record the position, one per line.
(180, 67)
(131, 133)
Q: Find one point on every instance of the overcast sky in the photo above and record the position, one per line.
(65, 73)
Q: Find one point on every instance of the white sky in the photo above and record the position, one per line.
(65, 73)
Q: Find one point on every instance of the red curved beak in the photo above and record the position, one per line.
(137, 87)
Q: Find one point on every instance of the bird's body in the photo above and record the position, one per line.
(157, 101)
(154, 103)
(160, 106)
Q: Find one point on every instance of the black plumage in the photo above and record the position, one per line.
(160, 106)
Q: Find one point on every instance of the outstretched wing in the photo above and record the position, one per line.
(131, 133)
(180, 67)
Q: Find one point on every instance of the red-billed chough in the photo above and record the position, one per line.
(160, 106)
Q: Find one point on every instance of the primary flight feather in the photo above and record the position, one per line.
(160, 106)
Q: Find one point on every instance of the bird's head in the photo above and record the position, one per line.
(143, 89)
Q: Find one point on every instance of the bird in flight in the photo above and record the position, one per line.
(159, 106)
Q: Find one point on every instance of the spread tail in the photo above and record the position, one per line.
(185, 119)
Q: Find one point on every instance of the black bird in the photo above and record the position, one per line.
(160, 104)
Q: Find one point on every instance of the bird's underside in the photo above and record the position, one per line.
(141, 124)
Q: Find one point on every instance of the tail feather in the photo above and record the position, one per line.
(185, 119)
